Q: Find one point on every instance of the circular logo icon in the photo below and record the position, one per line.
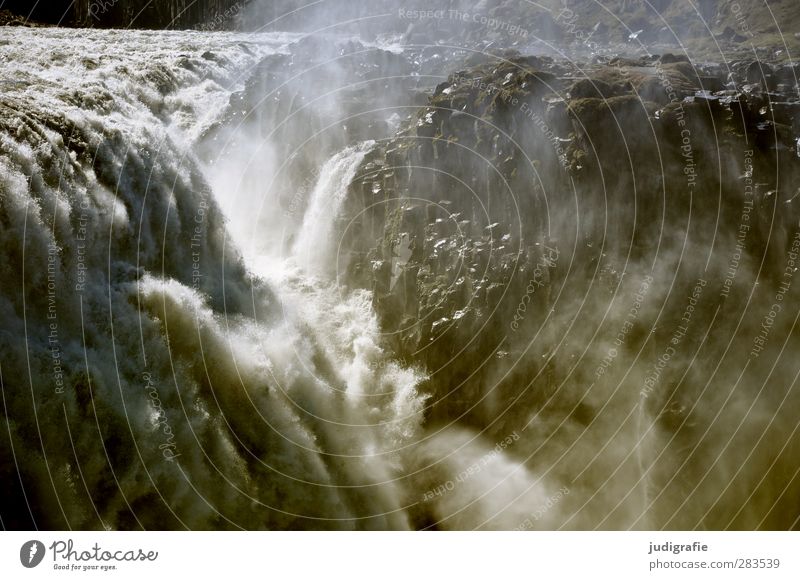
(31, 553)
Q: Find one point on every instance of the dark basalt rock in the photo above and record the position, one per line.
(585, 88)
(487, 177)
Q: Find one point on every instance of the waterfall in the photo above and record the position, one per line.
(178, 389)
(316, 248)
(181, 350)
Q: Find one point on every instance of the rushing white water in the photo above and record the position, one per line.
(315, 247)
(170, 387)
(176, 353)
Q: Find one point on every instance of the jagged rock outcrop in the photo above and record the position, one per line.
(521, 181)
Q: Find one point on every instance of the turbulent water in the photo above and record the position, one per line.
(177, 352)
(316, 237)
(166, 386)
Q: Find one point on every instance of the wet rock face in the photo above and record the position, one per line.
(540, 236)
(519, 186)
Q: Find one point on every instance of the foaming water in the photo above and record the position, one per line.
(171, 387)
(177, 353)
(315, 247)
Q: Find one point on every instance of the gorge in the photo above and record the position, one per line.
(361, 272)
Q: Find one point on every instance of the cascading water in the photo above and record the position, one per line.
(169, 376)
(182, 348)
(315, 248)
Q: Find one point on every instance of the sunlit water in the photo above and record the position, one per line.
(176, 352)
